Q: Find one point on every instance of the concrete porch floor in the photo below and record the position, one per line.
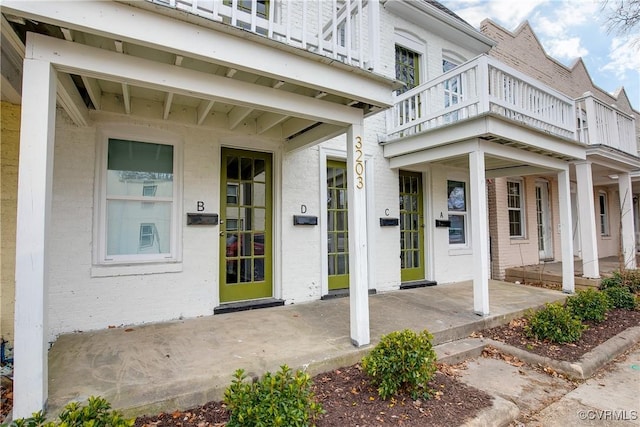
(551, 272)
(176, 365)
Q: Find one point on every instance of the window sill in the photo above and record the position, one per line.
(134, 269)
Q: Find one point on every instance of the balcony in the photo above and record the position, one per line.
(487, 86)
(480, 86)
(601, 124)
(332, 28)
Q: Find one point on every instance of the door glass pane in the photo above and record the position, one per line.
(259, 216)
(259, 194)
(337, 223)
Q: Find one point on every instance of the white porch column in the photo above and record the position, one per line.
(358, 269)
(566, 237)
(479, 233)
(587, 219)
(35, 173)
(627, 232)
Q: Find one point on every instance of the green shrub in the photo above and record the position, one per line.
(280, 399)
(621, 297)
(97, 413)
(555, 323)
(626, 278)
(402, 361)
(589, 304)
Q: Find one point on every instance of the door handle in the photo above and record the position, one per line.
(222, 233)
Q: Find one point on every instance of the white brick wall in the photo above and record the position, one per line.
(81, 302)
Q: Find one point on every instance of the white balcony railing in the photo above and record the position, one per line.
(480, 86)
(333, 28)
(601, 124)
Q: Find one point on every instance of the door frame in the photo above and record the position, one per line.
(547, 229)
(275, 245)
(420, 272)
(325, 154)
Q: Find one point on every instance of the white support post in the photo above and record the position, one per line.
(479, 233)
(374, 36)
(35, 172)
(358, 268)
(587, 219)
(566, 237)
(627, 228)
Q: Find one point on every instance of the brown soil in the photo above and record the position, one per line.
(513, 334)
(350, 400)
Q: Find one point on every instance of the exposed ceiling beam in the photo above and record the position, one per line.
(69, 98)
(126, 94)
(295, 125)
(203, 110)
(268, 120)
(130, 24)
(237, 115)
(91, 85)
(100, 63)
(168, 98)
(318, 134)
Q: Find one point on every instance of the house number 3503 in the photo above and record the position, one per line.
(359, 163)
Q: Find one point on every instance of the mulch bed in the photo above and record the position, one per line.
(513, 334)
(350, 400)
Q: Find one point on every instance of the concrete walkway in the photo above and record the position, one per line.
(180, 364)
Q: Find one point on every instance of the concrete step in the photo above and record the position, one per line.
(455, 352)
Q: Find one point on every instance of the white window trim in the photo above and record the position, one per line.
(411, 42)
(460, 248)
(604, 214)
(135, 264)
(523, 222)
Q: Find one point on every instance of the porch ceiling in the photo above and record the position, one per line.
(81, 89)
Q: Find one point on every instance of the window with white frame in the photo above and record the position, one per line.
(457, 210)
(515, 205)
(407, 67)
(603, 204)
(138, 206)
(452, 88)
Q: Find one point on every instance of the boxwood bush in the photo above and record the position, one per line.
(403, 361)
(589, 304)
(97, 413)
(280, 399)
(625, 278)
(555, 323)
(621, 297)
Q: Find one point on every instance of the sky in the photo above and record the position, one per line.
(568, 30)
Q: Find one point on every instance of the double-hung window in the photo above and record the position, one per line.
(457, 206)
(138, 204)
(603, 204)
(515, 205)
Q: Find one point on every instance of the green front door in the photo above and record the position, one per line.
(411, 227)
(337, 229)
(245, 223)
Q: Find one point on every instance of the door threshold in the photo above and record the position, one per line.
(417, 284)
(341, 293)
(232, 307)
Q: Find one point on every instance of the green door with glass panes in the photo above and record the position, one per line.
(245, 224)
(411, 227)
(337, 228)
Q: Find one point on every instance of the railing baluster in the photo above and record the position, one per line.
(334, 28)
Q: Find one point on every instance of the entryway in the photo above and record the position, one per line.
(337, 226)
(246, 224)
(543, 217)
(411, 227)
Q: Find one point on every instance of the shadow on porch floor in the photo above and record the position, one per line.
(180, 364)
